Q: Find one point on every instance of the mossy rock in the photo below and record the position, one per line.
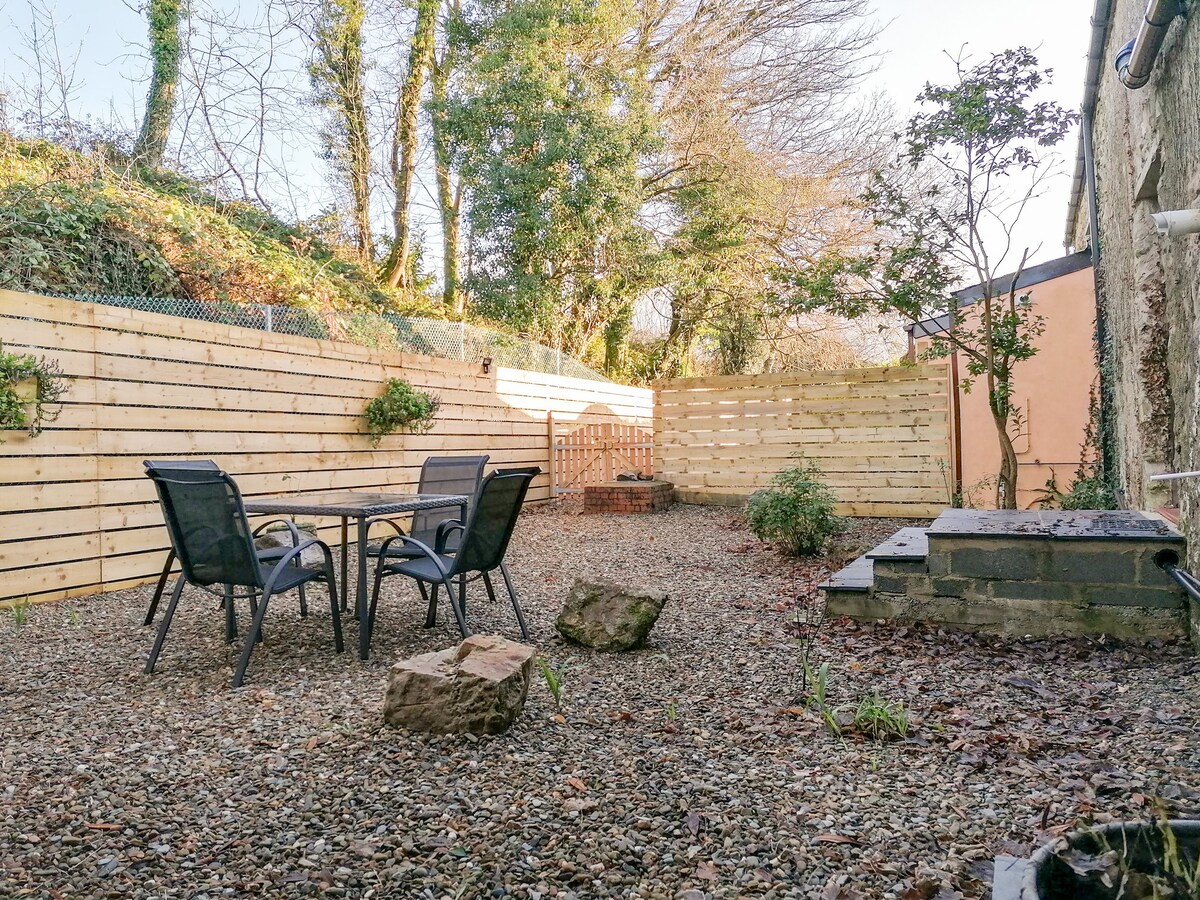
(607, 616)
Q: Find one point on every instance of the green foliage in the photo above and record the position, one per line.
(77, 224)
(554, 681)
(798, 513)
(48, 389)
(20, 610)
(818, 682)
(548, 121)
(401, 407)
(166, 50)
(879, 719)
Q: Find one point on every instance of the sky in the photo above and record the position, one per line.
(918, 34)
(103, 40)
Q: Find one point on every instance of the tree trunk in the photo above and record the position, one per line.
(1006, 478)
(449, 195)
(339, 76)
(165, 51)
(404, 141)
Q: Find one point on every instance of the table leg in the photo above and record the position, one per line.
(462, 579)
(345, 564)
(364, 635)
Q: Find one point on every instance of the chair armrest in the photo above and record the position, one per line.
(291, 527)
(293, 554)
(443, 533)
(413, 542)
(399, 529)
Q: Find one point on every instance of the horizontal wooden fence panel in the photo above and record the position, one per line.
(281, 413)
(880, 436)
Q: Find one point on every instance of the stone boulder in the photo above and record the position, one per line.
(309, 556)
(605, 615)
(478, 687)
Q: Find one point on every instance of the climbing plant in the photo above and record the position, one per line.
(401, 407)
(29, 413)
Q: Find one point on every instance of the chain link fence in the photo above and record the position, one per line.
(430, 337)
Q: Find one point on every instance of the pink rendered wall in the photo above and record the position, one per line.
(1052, 389)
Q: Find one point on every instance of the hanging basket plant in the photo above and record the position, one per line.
(400, 407)
(30, 392)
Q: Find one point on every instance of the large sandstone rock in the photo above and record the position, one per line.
(309, 556)
(478, 687)
(605, 615)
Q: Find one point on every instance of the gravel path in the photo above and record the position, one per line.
(688, 769)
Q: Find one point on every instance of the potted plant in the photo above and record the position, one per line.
(30, 392)
(1128, 860)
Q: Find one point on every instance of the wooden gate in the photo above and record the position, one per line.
(596, 453)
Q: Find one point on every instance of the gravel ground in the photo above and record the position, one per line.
(688, 769)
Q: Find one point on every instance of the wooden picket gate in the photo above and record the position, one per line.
(595, 453)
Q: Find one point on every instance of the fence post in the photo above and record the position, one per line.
(553, 453)
(269, 320)
(462, 341)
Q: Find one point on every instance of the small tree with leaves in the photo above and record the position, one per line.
(946, 208)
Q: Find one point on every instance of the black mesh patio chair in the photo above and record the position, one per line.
(266, 555)
(483, 541)
(210, 536)
(439, 475)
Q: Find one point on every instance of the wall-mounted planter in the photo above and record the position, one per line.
(30, 392)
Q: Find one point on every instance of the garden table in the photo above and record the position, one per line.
(362, 506)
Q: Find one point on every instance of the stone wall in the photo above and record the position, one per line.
(1147, 147)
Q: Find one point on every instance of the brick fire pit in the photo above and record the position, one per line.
(628, 497)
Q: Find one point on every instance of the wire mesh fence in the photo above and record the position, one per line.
(430, 337)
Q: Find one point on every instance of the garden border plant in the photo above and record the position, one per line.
(798, 512)
(400, 407)
(50, 387)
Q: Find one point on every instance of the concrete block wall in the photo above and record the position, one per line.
(1027, 586)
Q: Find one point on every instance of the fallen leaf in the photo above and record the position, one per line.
(102, 826)
(692, 821)
(706, 871)
(577, 784)
(835, 839)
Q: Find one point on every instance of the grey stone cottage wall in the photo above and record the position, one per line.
(1150, 285)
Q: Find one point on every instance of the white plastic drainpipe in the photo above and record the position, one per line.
(1174, 476)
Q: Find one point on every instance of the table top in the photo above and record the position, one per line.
(352, 503)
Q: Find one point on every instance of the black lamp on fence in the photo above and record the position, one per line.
(487, 364)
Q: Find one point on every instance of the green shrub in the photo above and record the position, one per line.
(1090, 492)
(401, 407)
(797, 513)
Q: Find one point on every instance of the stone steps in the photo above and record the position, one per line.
(1027, 572)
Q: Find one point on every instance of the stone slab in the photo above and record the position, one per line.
(906, 545)
(1088, 525)
(1007, 875)
(858, 576)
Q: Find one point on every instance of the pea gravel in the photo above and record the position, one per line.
(688, 769)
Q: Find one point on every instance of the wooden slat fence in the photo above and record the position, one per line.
(879, 435)
(281, 413)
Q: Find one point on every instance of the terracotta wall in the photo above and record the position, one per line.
(1052, 390)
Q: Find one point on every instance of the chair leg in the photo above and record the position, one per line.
(431, 615)
(491, 590)
(462, 592)
(258, 633)
(252, 638)
(457, 607)
(162, 586)
(303, 603)
(515, 602)
(374, 595)
(162, 629)
(334, 603)
(230, 615)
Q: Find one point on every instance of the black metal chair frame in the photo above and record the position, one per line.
(254, 583)
(425, 486)
(266, 555)
(448, 567)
